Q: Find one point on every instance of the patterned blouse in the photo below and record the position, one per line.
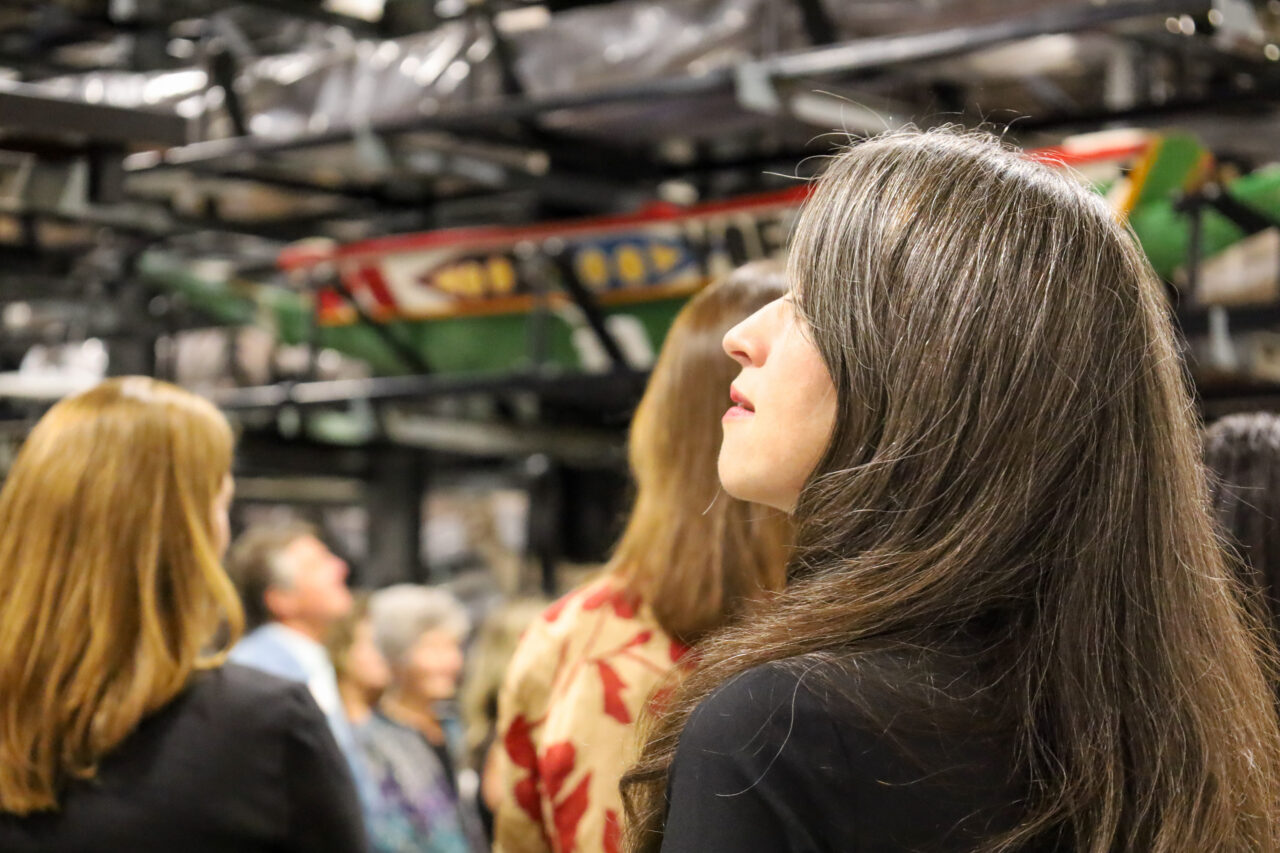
(579, 679)
(419, 810)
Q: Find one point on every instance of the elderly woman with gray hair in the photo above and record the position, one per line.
(420, 631)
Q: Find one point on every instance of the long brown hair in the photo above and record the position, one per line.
(694, 554)
(110, 583)
(1015, 460)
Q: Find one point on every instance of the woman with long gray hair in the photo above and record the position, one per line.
(1008, 624)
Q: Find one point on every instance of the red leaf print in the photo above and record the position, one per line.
(556, 765)
(569, 812)
(638, 640)
(598, 597)
(518, 742)
(612, 832)
(553, 612)
(678, 650)
(660, 699)
(624, 606)
(526, 793)
(613, 686)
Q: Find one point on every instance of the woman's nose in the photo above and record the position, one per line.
(744, 343)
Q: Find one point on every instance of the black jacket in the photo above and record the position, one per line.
(792, 757)
(239, 762)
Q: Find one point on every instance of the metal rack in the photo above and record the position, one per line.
(566, 171)
(511, 147)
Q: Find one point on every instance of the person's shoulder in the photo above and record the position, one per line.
(263, 649)
(867, 688)
(244, 686)
(388, 741)
(260, 639)
(564, 622)
(565, 632)
(886, 702)
(247, 697)
(796, 681)
(604, 595)
(776, 726)
(767, 702)
(379, 725)
(885, 735)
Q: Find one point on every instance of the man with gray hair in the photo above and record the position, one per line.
(294, 590)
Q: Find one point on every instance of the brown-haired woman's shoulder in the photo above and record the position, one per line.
(571, 620)
(599, 632)
(810, 749)
(605, 588)
(582, 675)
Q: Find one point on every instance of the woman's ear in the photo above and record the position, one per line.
(279, 602)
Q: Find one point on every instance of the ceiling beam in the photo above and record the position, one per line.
(311, 10)
(29, 110)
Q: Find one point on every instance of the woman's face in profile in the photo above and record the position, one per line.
(366, 667)
(433, 665)
(784, 408)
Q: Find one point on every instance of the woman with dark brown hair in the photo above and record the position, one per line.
(1007, 625)
(689, 558)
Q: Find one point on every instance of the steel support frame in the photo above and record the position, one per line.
(843, 58)
(818, 25)
(1249, 221)
(584, 191)
(583, 298)
(314, 11)
(28, 110)
(1265, 91)
(393, 500)
(558, 385)
(858, 55)
(873, 53)
(410, 357)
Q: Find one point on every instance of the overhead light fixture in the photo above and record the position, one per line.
(17, 316)
(365, 10)
(523, 19)
(180, 48)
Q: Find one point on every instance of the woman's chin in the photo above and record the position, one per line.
(731, 479)
(737, 482)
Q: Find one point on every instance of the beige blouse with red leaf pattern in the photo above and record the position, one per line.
(579, 680)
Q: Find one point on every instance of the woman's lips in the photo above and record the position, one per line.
(742, 407)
